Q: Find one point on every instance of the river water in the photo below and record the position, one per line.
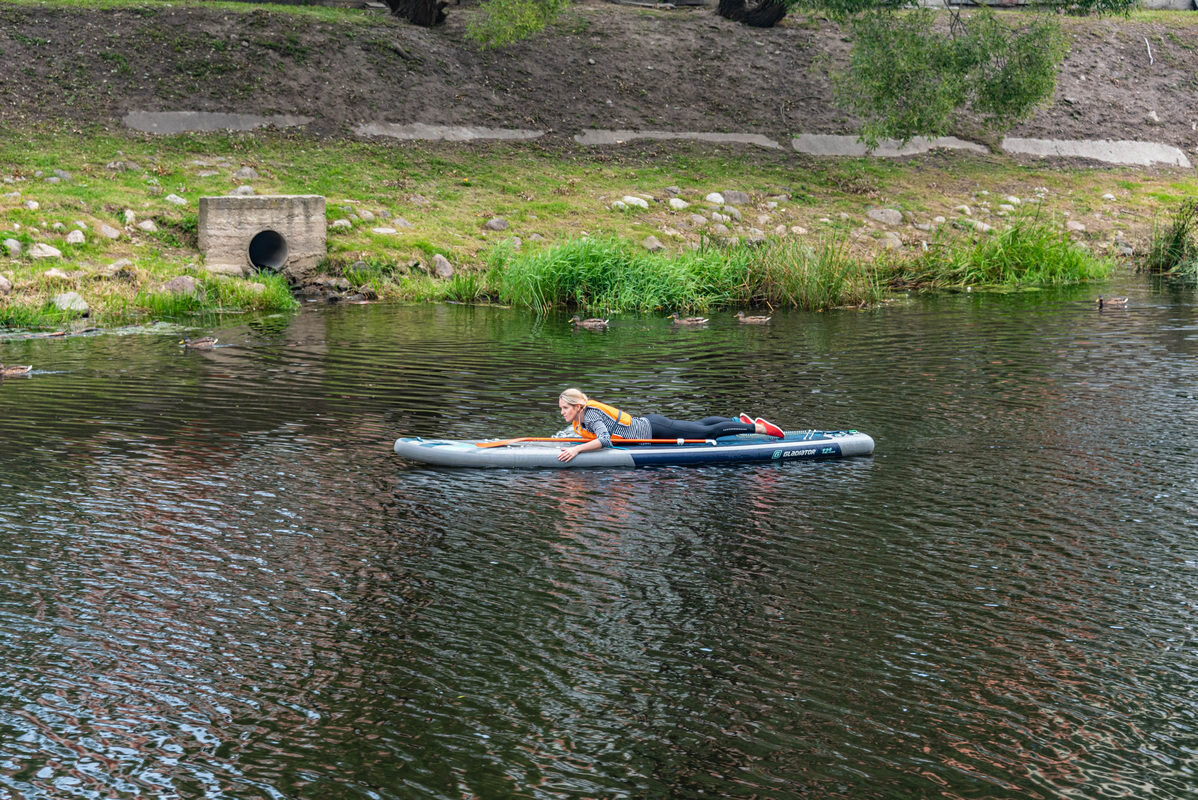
(217, 580)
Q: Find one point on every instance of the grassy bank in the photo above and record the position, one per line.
(564, 243)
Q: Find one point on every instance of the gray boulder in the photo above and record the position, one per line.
(183, 284)
(441, 266)
(40, 250)
(735, 198)
(71, 301)
(886, 216)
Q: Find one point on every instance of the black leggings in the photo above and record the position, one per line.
(706, 428)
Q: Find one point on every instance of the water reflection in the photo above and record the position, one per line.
(216, 579)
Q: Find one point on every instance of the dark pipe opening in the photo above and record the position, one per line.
(268, 250)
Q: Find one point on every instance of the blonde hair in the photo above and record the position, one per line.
(573, 397)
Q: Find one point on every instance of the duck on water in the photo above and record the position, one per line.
(687, 321)
(749, 320)
(15, 370)
(592, 324)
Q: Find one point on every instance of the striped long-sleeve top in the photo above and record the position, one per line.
(604, 428)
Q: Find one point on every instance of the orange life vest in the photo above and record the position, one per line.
(617, 416)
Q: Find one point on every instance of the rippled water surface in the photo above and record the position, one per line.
(217, 580)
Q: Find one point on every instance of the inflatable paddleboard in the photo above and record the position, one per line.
(542, 454)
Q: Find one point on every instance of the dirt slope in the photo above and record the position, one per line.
(604, 65)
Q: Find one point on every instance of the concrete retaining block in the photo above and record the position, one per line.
(280, 233)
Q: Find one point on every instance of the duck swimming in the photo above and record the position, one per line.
(740, 317)
(1113, 302)
(203, 343)
(13, 370)
(687, 320)
(592, 324)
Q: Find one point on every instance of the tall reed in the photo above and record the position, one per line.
(610, 275)
(1029, 253)
(816, 275)
(1174, 249)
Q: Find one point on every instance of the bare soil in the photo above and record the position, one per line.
(602, 66)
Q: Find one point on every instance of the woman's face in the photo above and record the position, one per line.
(569, 412)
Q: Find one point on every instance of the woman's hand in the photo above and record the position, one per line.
(568, 453)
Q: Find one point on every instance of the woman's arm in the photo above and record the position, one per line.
(595, 425)
(568, 453)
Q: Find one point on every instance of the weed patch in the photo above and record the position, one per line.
(1029, 253)
(1173, 250)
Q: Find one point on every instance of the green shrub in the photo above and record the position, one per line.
(907, 77)
(501, 22)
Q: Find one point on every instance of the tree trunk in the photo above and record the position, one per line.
(425, 13)
(765, 14)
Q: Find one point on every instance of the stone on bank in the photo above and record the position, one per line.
(71, 301)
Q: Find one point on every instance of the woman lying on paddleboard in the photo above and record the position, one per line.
(597, 423)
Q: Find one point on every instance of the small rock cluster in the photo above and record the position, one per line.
(723, 216)
(720, 216)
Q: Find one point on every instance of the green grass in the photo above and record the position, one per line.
(136, 294)
(1029, 253)
(609, 275)
(343, 15)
